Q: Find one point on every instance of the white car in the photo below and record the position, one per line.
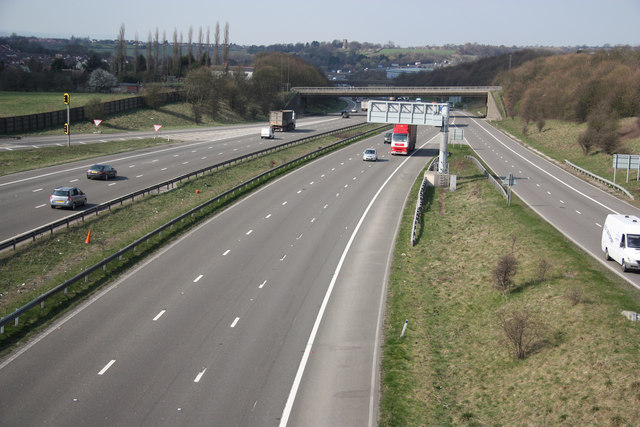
(267, 133)
(370, 154)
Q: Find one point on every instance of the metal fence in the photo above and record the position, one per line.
(158, 231)
(420, 202)
(599, 178)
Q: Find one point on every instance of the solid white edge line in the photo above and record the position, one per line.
(551, 175)
(548, 220)
(107, 366)
(307, 351)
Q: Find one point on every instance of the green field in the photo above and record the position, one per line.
(454, 367)
(24, 103)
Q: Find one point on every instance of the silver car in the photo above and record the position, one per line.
(370, 154)
(67, 197)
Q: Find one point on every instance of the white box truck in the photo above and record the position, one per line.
(621, 240)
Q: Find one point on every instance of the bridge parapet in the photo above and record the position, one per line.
(417, 91)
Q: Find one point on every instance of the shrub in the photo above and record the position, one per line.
(504, 272)
(521, 328)
(94, 109)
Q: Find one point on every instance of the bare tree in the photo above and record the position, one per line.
(189, 47)
(156, 55)
(149, 56)
(216, 54)
(163, 65)
(225, 47)
(199, 47)
(207, 55)
(136, 53)
(543, 268)
(175, 54)
(521, 328)
(120, 60)
(503, 273)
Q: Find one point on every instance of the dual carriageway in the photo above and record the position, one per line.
(270, 312)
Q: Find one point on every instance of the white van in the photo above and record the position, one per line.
(267, 133)
(621, 240)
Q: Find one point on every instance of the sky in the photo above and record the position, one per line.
(405, 23)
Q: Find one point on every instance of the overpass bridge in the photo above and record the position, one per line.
(485, 92)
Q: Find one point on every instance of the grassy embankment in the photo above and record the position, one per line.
(37, 267)
(453, 366)
(559, 140)
(171, 116)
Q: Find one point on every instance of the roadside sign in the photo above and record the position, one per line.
(97, 122)
(509, 180)
(157, 127)
(458, 134)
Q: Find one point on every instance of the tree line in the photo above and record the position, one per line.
(597, 87)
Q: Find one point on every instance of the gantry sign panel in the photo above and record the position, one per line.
(406, 113)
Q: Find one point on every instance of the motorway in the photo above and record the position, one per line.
(268, 314)
(25, 196)
(573, 206)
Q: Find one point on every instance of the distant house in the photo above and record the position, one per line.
(127, 88)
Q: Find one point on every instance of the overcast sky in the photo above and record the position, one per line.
(406, 23)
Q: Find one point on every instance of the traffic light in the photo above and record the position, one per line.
(65, 97)
(66, 128)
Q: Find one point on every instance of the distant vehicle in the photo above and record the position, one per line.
(621, 240)
(387, 137)
(354, 110)
(364, 105)
(267, 133)
(370, 155)
(345, 114)
(403, 139)
(67, 197)
(101, 172)
(282, 120)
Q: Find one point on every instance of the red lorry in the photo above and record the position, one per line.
(403, 139)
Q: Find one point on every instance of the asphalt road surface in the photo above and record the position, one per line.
(25, 196)
(573, 206)
(268, 314)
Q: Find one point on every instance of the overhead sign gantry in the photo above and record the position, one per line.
(414, 113)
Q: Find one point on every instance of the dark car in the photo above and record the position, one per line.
(387, 137)
(67, 197)
(101, 172)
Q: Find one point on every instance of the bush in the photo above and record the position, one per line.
(521, 328)
(504, 272)
(94, 109)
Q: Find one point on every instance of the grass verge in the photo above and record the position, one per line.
(453, 366)
(35, 268)
(559, 140)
